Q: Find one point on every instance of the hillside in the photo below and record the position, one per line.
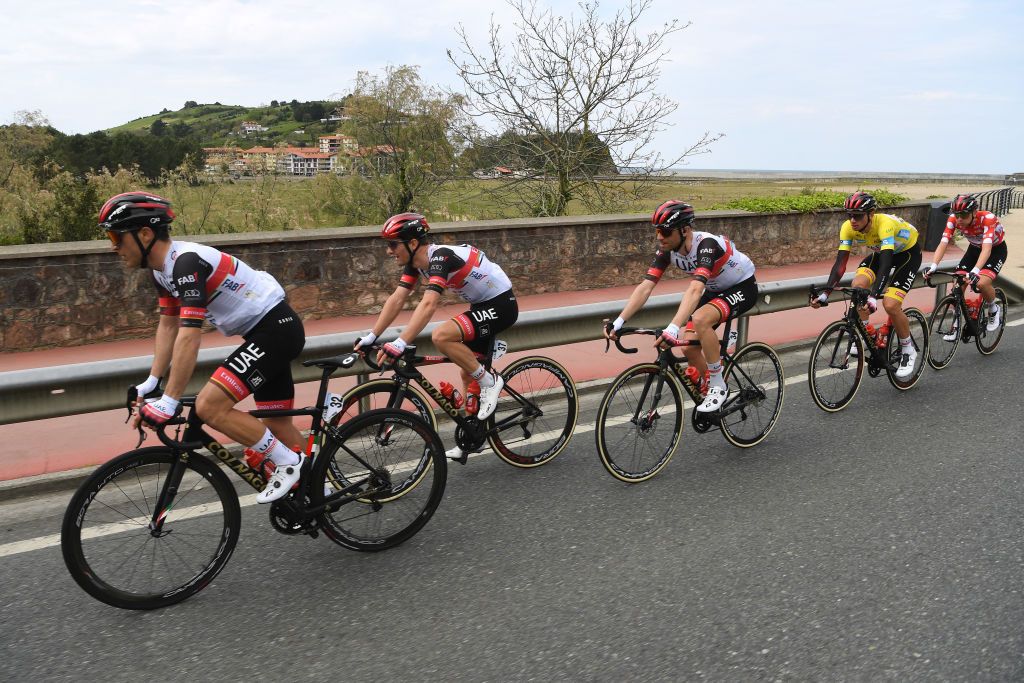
(220, 125)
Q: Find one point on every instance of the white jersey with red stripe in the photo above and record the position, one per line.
(712, 258)
(199, 282)
(462, 268)
(985, 228)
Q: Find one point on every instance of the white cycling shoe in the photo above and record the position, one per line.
(994, 320)
(457, 454)
(714, 400)
(908, 359)
(952, 335)
(281, 482)
(489, 397)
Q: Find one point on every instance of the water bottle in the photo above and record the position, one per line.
(452, 394)
(882, 336)
(262, 464)
(701, 385)
(472, 397)
(974, 307)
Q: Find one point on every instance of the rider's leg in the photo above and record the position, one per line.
(217, 409)
(704, 320)
(893, 304)
(987, 289)
(447, 337)
(863, 279)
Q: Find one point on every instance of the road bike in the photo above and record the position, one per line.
(836, 367)
(155, 525)
(956, 319)
(640, 418)
(532, 423)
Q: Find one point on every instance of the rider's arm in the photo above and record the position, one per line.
(392, 307)
(637, 299)
(883, 265)
(421, 316)
(986, 252)
(689, 303)
(166, 333)
(838, 268)
(183, 360)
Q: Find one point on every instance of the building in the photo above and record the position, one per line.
(304, 161)
(252, 127)
(332, 144)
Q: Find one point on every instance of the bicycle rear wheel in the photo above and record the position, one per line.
(836, 367)
(945, 322)
(536, 413)
(392, 467)
(115, 556)
(380, 393)
(639, 423)
(988, 341)
(919, 334)
(757, 388)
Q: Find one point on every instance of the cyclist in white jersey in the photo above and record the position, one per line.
(723, 287)
(194, 283)
(466, 271)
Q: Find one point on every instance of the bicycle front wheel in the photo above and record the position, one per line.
(836, 367)
(383, 393)
(387, 470)
(757, 388)
(639, 423)
(124, 552)
(944, 333)
(919, 334)
(988, 341)
(536, 413)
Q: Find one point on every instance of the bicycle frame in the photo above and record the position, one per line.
(970, 323)
(877, 358)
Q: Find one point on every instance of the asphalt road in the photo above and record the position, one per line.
(880, 543)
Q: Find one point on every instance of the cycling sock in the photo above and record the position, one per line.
(484, 378)
(909, 341)
(270, 447)
(715, 377)
(993, 308)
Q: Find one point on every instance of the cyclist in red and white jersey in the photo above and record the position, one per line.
(984, 257)
(723, 287)
(468, 272)
(196, 282)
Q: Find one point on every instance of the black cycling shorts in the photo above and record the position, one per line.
(484, 320)
(995, 262)
(261, 366)
(903, 272)
(733, 301)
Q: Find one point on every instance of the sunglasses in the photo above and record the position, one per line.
(963, 214)
(664, 232)
(856, 216)
(392, 244)
(114, 237)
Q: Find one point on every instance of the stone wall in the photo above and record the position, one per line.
(78, 292)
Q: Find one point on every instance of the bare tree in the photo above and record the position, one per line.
(403, 130)
(568, 101)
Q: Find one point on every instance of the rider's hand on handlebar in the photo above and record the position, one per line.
(972, 277)
(820, 300)
(391, 352)
(669, 336)
(364, 341)
(931, 269)
(158, 412)
(611, 328)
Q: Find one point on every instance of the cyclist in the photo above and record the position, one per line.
(722, 288)
(469, 273)
(891, 267)
(984, 257)
(195, 282)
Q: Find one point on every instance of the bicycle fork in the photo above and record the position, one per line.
(165, 500)
(649, 417)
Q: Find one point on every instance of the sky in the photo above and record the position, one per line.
(926, 86)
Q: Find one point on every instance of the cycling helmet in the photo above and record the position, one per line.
(964, 202)
(405, 227)
(860, 201)
(673, 214)
(131, 211)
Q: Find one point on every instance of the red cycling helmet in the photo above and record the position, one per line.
(860, 201)
(404, 227)
(134, 210)
(964, 202)
(673, 214)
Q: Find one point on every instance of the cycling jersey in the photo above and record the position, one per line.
(464, 269)
(712, 259)
(884, 232)
(984, 229)
(198, 282)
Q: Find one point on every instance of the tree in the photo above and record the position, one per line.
(157, 128)
(563, 90)
(191, 104)
(404, 130)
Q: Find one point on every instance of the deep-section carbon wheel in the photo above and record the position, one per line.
(757, 388)
(987, 341)
(919, 334)
(944, 333)
(836, 367)
(126, 553)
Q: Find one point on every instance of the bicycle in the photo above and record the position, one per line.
(631, 439)
(836, 366)
(960, 320)
(532, 423)
(156, 525)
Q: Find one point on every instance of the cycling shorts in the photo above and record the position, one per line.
(485, 319)
(261, 366)
(733, 301)
(995, 262)
(903, 272)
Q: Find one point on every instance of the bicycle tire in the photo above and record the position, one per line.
(919, 332)
(629, 422)
(944, 320)
(401, 494)
(988, 341)
(525, 438)
(830, 361)
(200, 529)
(378, 394)
(757, 363)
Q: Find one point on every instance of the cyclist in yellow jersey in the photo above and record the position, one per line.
(889, 270)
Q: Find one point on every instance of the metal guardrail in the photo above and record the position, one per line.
(1000, 201)
(89, 387)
